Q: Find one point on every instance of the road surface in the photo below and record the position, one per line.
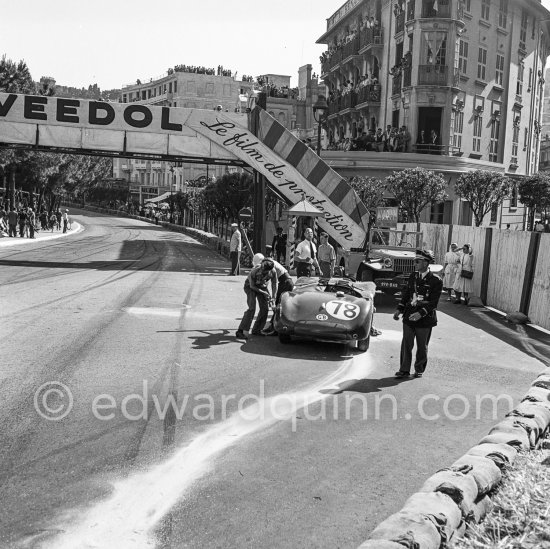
(132, 418)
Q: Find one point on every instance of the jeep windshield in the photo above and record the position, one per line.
(394, 238)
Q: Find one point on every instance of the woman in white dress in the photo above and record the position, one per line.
(450, 267)
(464, 285)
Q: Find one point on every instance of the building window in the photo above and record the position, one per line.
(493, 146)
(499, 74)
(170, 87)
(523, 30)
(494, 213)
(515, 142)
(467, 5)
(175, 87)
(481, 63)
(514, 197)
(478, 125)
(458, 127)
(485, 5)
(441, 53)
(503, 14)
(463, 57)
(519, 83)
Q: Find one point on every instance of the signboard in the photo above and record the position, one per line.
(245, 214)
(80, 124)
(386, 217)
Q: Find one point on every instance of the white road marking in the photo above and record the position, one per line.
(137, 503)
(156, 311)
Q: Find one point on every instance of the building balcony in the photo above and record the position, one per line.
(438, 9)
(369, 95)
(433, 75)
(410, 10)
(407, 77)
(350, 50)
(370, 37)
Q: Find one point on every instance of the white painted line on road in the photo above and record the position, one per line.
(137, 504)
(156, 311)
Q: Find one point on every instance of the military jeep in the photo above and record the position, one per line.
(388, 260)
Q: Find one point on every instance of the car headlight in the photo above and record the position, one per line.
(388, 263)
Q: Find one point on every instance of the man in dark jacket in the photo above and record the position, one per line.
(418, 306)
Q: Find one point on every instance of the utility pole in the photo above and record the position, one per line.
(259, 192)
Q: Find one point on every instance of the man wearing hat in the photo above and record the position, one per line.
(235, 247)
(418, 306)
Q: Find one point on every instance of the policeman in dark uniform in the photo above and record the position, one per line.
(418, 306)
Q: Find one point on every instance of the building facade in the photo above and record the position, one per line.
(465, 75)
(209, 90)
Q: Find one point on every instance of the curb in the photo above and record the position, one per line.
(6, 242)
(461, 494)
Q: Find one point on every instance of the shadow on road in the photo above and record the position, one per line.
(365, 385)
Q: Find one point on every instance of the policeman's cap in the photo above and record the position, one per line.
(426, 255)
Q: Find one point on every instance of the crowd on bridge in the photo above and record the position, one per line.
(220, 71)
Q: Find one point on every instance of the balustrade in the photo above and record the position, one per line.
(370, 94)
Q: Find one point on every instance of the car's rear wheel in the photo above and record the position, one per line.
(364, 274)
(284, 338)
(364, 344)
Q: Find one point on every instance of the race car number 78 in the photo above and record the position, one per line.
(342, 310)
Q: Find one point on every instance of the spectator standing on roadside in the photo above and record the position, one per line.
(235, 248)
(58, 218)
(255, 288)
(22, 223)
(53, 221)
(43, 220)
(278, 246)
(418, 306)
(65, 220)
(464, 283)
(305, 255)
(450, 267)
(326, 257)
(12, 222)
(3, 220)
(31, 219)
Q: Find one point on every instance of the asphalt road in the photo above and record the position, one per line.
(128, 317)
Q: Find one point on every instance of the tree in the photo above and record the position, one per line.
(371, 192)
(484, 190)
(415, 188)
(534, 192)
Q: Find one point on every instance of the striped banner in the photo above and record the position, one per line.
(313, 168)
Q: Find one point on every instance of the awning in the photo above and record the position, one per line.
(160, 198)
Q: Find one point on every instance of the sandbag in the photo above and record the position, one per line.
(486, 474)
(511, 425)
(475, 301)
(380, 544)
(417, 529)
(539, 413)
(519, 441)
(517, 318)
(538, 393)
(502, 454)
(439, 507)
(481, 508)
(460, 487)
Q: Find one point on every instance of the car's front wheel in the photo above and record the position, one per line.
(284, 338)
(364, 344)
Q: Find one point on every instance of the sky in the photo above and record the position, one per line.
(112, 43)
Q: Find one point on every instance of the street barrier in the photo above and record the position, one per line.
(461, 494)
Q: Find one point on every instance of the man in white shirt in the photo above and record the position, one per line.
(305, 255)
(326, 257)
(235, 248)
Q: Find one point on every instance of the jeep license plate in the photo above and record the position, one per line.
(386, 284)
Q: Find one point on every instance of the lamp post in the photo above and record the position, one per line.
(320, 110)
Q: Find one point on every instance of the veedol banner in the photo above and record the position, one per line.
(82, 124)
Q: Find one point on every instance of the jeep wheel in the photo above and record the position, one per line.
(364, 274)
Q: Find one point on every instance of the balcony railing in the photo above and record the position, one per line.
(442, 9)
(351, 48)
(371, 36)
(428, 148)
(334, 107)
(349, 101)
(400, 22)
(433, 75)
(335, 58)
(370, 94)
